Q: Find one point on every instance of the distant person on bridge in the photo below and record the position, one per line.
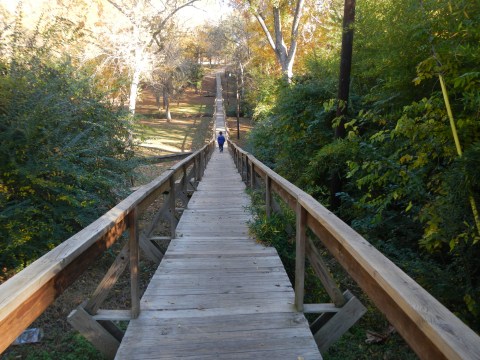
(221, 141)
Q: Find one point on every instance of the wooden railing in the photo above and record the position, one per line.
(26, 295)
(430, 329)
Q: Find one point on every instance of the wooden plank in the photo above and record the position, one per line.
(101, 339)
(113, 315)
(320, 308)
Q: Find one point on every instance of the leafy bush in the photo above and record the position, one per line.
(404, 186)
(66, 157)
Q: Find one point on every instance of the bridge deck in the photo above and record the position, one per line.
(217, 293)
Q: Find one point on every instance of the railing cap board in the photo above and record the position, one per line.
(456, 339)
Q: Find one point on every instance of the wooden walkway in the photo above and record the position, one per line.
(218, 294)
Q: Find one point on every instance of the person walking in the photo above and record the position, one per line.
(221, 141)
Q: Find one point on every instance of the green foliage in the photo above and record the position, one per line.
(65, 153)
(71, 346)
(403, 185)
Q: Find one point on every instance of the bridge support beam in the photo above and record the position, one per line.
(100, 338)
(329, 327)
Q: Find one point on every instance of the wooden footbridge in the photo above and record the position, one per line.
(217, 293)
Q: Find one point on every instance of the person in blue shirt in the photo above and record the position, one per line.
(221, 141)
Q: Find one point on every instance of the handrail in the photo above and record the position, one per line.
(430, 329)
(26, 295)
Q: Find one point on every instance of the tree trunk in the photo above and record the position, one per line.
(238, 105)
(167, 104)
(343, 89)
(137, 71)
(134, 90)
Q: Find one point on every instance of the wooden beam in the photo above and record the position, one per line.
(150, 250)
(343, 320)
(320, 308)
(108, 281)
(323, 274)
(171, 202)
(100, 338)
(113, 315)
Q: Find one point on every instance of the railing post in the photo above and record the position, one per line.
(241, 166)
(184, 179)
(268, 195)
(252, 175)
(134, 258)
(202, 165)
(301, 215)
(172, 205)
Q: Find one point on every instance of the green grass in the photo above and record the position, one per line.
(64, 346)
(183, 133)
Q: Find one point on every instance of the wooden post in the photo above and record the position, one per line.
(171, 200)
(301, 222)
(195, 169)
(200, 167)
(252, 175)
(241, 166)
(268, 195)
(134, 258)
(184, 179)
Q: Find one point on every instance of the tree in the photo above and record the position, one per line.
(148, 24)
(280, 11)
(343, 88)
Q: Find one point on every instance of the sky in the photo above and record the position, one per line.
(203, 11)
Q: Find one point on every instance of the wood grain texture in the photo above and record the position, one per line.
(218, 294)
